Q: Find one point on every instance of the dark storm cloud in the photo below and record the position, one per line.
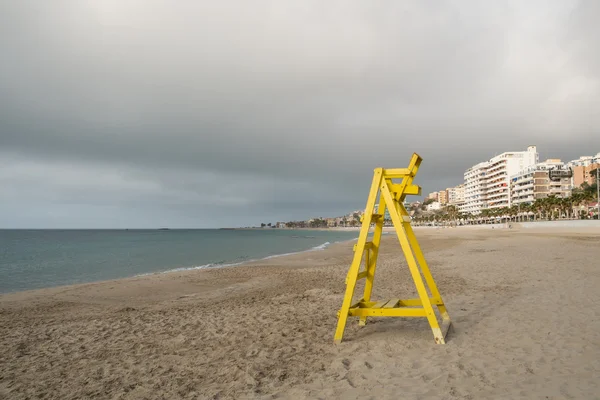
(228, 113)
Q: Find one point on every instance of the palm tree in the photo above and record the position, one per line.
(549, 207)
(565, 204)
(579, 198)
(513, 211)
(556, 205)
(594, 175)
(451, 212)
(356, 217)
(538, 207)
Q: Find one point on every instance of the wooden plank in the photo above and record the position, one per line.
(414, 190)
(368, 246)
(376, 217)
(445, 327)
(388, 312)
(417, 302)
(380, 304)
(356, 305)
(392, 303)
(396, 173)
(363, 304)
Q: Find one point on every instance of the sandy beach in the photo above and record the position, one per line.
(524, 305)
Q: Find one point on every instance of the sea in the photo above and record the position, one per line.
(34, 259)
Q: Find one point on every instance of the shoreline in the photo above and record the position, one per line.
(265, 329)
(386, 231)
(156, 279)
(322, 247)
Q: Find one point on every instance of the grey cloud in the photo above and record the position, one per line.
(219, 113)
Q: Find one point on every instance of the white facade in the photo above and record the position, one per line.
(487, 183)
(434, 206)
(585, 161)
(475, 189)
(525, 186)
(522, 183)
(456, 195)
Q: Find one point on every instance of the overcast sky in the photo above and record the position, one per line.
(124, 114)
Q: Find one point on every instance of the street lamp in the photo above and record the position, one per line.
(598, 191)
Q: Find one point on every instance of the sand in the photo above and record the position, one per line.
(524, 304)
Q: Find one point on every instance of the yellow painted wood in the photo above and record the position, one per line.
(372, 256)
(395, 173)
(391, 196)
(409, 190)
(368, 246)
(388, 312)
(412, 265)
(392, 303)
(380, 304)
(418, 302)
(353, 272)
(374, 217)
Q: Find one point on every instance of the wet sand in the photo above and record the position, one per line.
(524, 305)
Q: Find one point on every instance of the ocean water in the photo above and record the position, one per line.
(33, 259)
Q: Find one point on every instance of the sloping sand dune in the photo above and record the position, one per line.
(524, 304)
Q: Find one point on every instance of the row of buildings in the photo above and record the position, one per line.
(349, 220)
(513, 178)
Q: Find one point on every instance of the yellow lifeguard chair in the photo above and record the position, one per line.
(392, 197)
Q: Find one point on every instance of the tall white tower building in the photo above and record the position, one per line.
(487, 183)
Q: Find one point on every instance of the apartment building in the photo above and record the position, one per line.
(456, 195)
(436, 205)
(433, 196)
(582, 169)
(443, 197)
(551, 177)
(584, 161)
(487, 183)
(475, 184)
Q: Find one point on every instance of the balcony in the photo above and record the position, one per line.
(522, 180)
(498, 188)
(497, 184)
(558, 190)
(498, 197)
(527, 185)
(521, 192)
(496, 174)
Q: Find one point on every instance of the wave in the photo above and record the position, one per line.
(321, 246)
(219, 264)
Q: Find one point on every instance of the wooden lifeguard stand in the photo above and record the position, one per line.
(392, 197)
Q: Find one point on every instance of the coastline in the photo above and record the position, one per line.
(265, 329)
(259, 249)
(533, 228)
(268, 228)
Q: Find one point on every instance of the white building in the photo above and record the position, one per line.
(549, 178)
(456, 195)
(487, 183)
(475, 185)
(434, 206)
(584, 161)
